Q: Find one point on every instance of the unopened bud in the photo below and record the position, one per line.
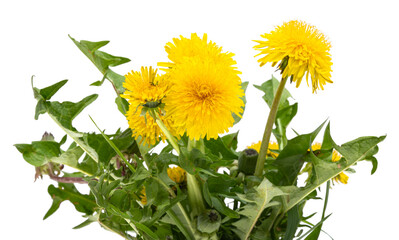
(247, 161)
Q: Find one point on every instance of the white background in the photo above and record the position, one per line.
(362, 101)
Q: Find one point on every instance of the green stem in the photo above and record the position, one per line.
(193, 188)
(268, 129)
(165, 130)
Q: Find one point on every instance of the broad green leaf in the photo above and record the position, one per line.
(257, 202)
(70, 157)
(244, 86)
(291, 158)
(65, 112)
(82, 202)
(39, 152)
(156, 193)
(221, 184)
(217, 147)
(230, 140)
(352, 152)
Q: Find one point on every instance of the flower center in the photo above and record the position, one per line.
(301, 52)
(203, 92)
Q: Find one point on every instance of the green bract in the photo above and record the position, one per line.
(230, 202)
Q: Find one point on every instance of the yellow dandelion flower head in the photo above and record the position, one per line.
(182, 48)
(144, 88)
(177, 174)
(305, 48)
(204, 95)
(341, 177)
(272, 146)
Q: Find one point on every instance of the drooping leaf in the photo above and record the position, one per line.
(82, 202)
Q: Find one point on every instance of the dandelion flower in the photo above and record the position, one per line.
(204, 95)
(272, 146)
(300, 48)
(183, 48)
(177, 174)
(146, 89)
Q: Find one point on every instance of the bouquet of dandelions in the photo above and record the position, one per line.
(199, 186)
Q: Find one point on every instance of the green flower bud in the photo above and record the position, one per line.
(247, 161)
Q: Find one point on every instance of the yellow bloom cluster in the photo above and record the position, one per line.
(300, 48)
(199, 92)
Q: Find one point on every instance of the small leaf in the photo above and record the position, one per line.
(122, 104)
(270, 88)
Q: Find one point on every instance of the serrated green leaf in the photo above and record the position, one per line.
(82, 202)
(65, 112)
(291, 158)
(258, 201)
(103, 61)
(217, 147)
(352, 152)
(39, 152)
